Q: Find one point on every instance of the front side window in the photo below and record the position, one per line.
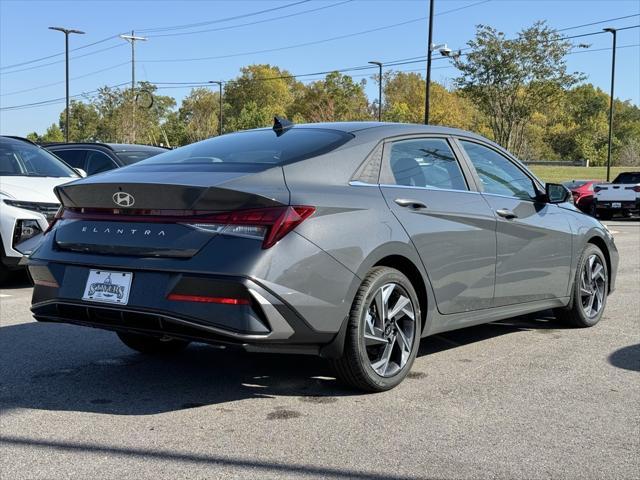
(426, 162)
(19, 158)
(498, 174)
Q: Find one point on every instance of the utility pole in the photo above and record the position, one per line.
(220, 95)
(133, 39)
(429, 43)
(379, 64)
(66, 32)
(613, 31)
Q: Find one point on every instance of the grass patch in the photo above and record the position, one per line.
(553, 174)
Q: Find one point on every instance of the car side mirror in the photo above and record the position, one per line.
(557, 193)
(81, 172)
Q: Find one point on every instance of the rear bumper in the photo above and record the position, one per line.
(266, 322)
(633, 205)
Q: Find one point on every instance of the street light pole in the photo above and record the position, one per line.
(219, 83)
(429, 43)
(66, 32)
(133, 39)
(379, 64)
(613, 31)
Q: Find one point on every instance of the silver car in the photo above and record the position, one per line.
(347, 240)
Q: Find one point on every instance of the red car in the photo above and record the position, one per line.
(582, 191)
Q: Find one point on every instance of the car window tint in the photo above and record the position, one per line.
(130, 157)
(20, 158)
(258, 147)
(630, 177)
(75, 158)
(426, 163)
(498, 174)
(98, 162)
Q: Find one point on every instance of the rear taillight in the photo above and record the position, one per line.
(597, 189)
(269, 224)
(177, 297)
(636, 188)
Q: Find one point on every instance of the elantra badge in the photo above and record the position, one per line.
(123, 199)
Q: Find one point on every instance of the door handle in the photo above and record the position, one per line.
(505, 213)
(408, 203)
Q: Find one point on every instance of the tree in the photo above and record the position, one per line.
(259, 93)
(53, 134)
(199, 114)
(83, 119)
(334, 99)
(510, 79)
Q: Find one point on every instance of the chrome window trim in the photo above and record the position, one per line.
(432, 189)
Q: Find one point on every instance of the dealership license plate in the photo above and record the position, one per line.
(616, 205)
(108, 287)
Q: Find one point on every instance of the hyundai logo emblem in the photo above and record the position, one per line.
(123, 199)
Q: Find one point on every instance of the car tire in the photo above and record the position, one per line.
(362, 364)
(577, 314)
(152, 345)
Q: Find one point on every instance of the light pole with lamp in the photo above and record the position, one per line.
(219, 83)
(379, 64)
(66, 32)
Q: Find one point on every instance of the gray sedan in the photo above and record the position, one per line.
(347, 240)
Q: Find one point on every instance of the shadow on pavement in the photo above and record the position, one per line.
(17, 279)
(70, 368)
(200, 459)
(627, 358)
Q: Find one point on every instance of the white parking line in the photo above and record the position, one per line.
(2, 295)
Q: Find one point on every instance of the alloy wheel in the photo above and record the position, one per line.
(593, 282)
(389, 329)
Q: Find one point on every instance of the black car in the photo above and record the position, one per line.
(99, 157)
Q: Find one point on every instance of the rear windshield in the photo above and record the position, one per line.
(22, 159)
(628, 177)
(256, 147)
(129, 158)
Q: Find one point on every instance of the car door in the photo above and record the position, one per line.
(534, 237)
(452, 228)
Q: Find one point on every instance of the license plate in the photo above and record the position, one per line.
(108, 287)
(616, 205)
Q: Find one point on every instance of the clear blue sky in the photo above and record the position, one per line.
(24, 36)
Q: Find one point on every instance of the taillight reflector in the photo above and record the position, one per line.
(205, 299)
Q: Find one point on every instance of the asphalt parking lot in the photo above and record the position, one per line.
(524, 398)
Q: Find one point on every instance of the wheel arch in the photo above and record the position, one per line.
(411, 271)
(602, 245)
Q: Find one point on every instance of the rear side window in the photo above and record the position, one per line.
(427, 162)
(628, 177)
(256, 147)
(75, 158)
(98, 162)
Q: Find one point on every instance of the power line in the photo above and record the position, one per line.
(62, 61)
(229, 27)
(35, 60)
(57, 100)
(220, 20)
(598, 22)
(39, 87)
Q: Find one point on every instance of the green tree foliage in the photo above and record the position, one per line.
(259, 93)
(198, 115)
(337, 98)
(83, 120)
(511, 79)
(53, 134)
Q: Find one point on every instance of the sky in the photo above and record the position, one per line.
(214, 42)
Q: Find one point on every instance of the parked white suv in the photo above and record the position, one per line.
(620, 196)
(28, 175)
